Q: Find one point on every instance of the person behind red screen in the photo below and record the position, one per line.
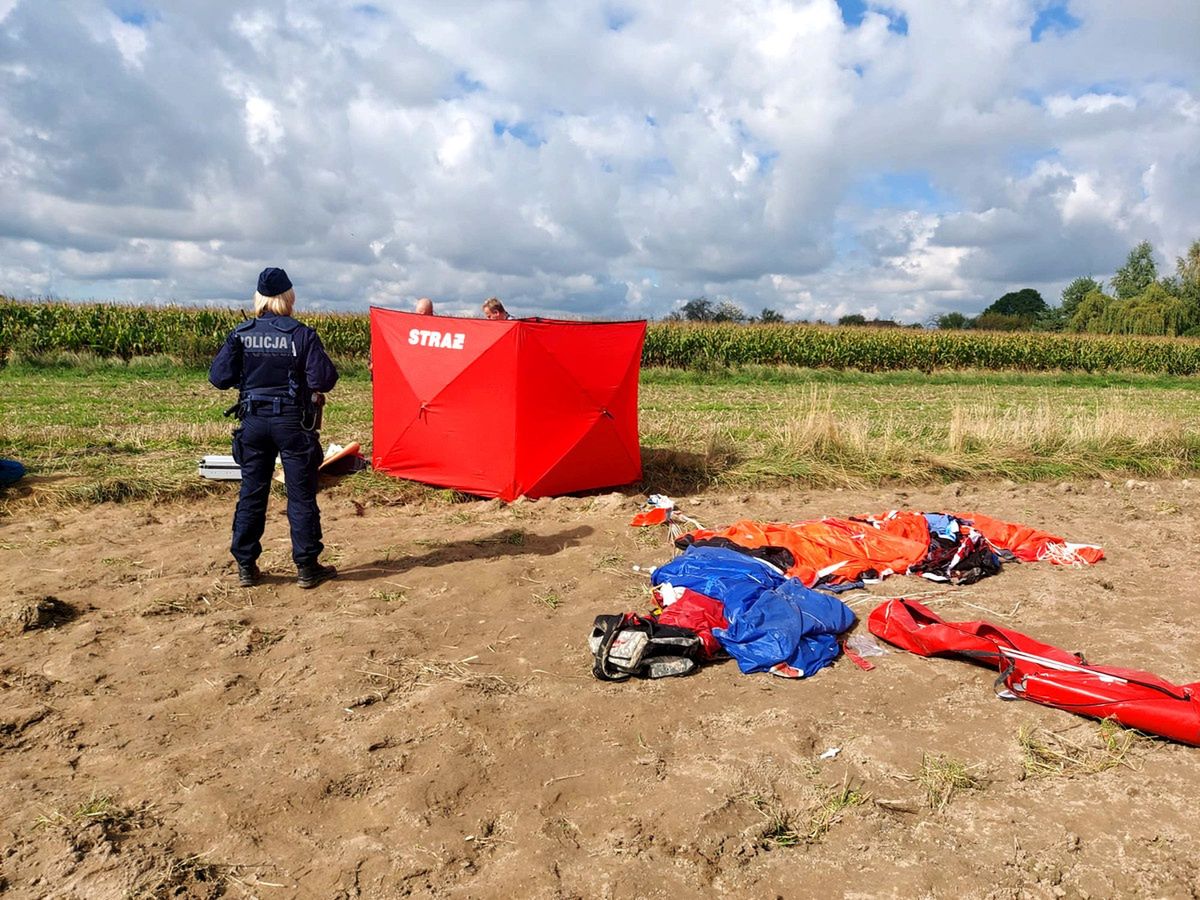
(493, 309)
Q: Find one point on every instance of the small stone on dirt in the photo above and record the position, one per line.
(40, 612)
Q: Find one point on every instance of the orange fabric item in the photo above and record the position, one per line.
(887, 543)
(903, 523)
(656, 516)
(1027, 543)
(843, 549)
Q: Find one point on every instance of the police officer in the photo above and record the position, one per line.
(281, 372)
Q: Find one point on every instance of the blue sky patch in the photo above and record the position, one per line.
(1056, 19)
(658, 167)
(897, 22)
(1023, 162)
(522, 131)
(468, 84)
(370, 10)
(1115, 88)
(854, 10)
(616, 19)
(902, 190)
(132, 13)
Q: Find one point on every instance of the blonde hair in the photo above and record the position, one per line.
(280, 304)
(493, 303)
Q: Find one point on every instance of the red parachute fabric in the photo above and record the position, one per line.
(1046, 674)
(532, 407)
(699, 613)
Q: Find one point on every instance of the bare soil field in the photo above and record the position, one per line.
(427, 725)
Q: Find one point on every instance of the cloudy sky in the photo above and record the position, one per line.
(590, 158)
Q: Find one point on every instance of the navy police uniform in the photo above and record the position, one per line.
(276, 363)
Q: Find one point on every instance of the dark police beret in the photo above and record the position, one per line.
(272, 282)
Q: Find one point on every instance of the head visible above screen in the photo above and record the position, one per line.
(494, 309)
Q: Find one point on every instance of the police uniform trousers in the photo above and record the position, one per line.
(262, 436)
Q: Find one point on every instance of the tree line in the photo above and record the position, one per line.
(1136, 301)
(701, 309)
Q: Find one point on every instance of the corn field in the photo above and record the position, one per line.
(193, 335)
(189, 334)
(682, 345)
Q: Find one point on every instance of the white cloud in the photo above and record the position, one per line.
(130, 40)
(1062, 105)
(457, 150)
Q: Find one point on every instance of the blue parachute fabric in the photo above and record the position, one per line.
(772, 618)
(11, 471)
(789, 624)
(942, 525)
(724, 575)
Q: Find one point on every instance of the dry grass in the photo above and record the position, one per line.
(784, 828)
(831, 808)
(98, 808)
(1104, 746)
(407, 674)
(178, 877)
(185, 605)
(835, 435)
(943, 777)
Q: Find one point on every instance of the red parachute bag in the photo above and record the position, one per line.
(1045, 674)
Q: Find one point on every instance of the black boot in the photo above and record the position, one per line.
(248, 574)
(311, 574)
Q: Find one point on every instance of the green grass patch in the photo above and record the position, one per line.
(93, 430)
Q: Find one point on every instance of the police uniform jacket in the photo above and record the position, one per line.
(273, 360)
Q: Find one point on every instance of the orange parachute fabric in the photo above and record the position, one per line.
(839, 550)
(902, 523)
(1031, 544)
(842, 549)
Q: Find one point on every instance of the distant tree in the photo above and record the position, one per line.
(853, 319)
(952, 321)
(1025, 303)
(698, 309)
(1187, 267)
(1090, 312)
(1138, 273)
(1053, 319)
(770, 316)
(728, 311)
(1074, 293)
(994, 321)
(1153, 311)
(1187, 278)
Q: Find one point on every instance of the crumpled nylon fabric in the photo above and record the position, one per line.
(772, 619)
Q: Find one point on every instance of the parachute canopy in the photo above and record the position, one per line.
(533, 407)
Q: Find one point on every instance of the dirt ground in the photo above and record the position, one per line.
(427, 723)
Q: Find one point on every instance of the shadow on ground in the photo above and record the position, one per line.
(509, 542)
